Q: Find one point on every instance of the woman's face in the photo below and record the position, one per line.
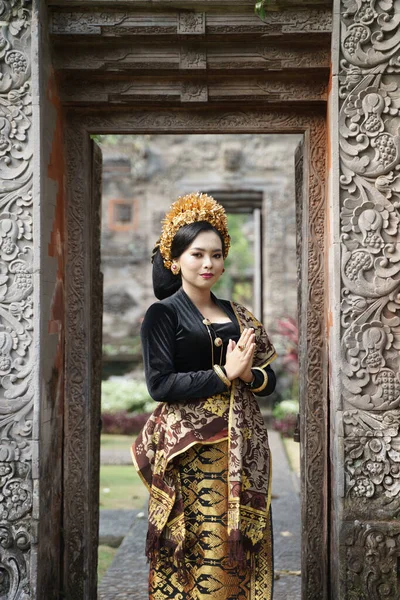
(202, 263)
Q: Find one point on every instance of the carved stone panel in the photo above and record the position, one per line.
(191, 23)
(16, 299)
(370, 257)
(372, 463)
(369, 553)
(194, 91)
(97, 22)
(367, 231)
(192, 57)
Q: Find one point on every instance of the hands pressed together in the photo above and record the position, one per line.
(239, 357)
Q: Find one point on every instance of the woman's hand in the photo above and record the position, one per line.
(239, 362)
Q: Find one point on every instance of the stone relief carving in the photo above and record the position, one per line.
(97, 22)
(283, 58)
(192, 91)
(114, 23)
(370, 271)
(299, 21)
(191, 23)
(251, 89)
(370, 263)
(371, 552)
(372, 460)
(192, 58)
(16, 302)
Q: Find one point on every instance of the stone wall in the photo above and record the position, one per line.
(150, 172)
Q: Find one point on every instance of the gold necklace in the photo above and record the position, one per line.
(217, 341)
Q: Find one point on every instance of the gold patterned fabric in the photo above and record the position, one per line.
(174, 427)
(203, 480)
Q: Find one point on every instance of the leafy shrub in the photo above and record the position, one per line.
(119, 394)
(123, 423)
(285, 417)
(285, 408)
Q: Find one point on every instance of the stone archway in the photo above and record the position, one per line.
(81, 418)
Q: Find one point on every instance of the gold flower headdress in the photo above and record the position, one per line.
(189, 209)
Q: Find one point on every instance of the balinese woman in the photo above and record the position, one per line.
(203, 453)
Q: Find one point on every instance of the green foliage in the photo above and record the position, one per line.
(121, 394)
(260, 9)
(285, 408)
(128, 345)
(240, 257)
(239, 264)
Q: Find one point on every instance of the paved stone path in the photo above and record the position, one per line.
(114, 525)
(286, 523)
(126, 579)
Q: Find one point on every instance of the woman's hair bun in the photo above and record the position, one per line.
(165, 283)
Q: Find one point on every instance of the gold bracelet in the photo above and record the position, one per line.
(218, 370)
(264, 383)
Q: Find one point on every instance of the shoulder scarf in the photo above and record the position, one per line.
(173, 427)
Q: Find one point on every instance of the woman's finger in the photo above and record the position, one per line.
(245, 340)
(245, 334)
(249, 352)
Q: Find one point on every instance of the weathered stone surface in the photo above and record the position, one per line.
(116, 55)
(366, 387)
(17, 318)
(92, 22)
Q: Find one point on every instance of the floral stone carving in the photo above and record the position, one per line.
(16, 301)
(369, 159)
(372, 462)
(370, 552)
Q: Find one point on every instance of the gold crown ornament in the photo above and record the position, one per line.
(189, 209)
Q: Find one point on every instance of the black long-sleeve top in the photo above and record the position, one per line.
(177, 350)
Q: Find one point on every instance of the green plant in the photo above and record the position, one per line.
(235, 283)
(260, 8)
(285, 408)
(119, 394)
(129, 345)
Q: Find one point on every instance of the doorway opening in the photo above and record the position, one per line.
(84, 348)
(253, 177)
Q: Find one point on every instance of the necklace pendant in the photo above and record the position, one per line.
(218, 342)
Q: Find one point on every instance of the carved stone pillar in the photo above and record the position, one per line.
(365, 279)
(17, 318)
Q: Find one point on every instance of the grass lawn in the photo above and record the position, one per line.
(293, 453)
(111, 442)
(106, 555)
(121, 488)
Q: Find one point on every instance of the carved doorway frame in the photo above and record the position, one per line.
(81, 435)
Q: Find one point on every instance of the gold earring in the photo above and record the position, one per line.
(175, 268)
